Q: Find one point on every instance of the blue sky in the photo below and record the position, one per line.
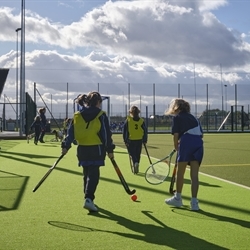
(114, 43)
(235, 15)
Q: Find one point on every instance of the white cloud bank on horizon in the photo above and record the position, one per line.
(137, 42)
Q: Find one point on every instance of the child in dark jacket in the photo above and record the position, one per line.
(36, 125)
(42, 112)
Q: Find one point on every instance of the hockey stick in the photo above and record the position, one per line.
(119, 173)
(173, 178)
(130, 161)
(47, 174)
(145, 146)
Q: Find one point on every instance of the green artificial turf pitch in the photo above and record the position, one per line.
(53, 217)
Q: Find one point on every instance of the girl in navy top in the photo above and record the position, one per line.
(187, 137)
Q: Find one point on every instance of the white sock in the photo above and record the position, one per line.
(177, 196)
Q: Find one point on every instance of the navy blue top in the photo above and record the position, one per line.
(36, 125)
(91, 155)
(43, 120)
(183, 122)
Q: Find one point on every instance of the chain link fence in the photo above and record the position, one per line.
(211, 103)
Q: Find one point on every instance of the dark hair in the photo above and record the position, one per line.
(79, 100)
(134, 111)
(90, 100)
(42, 110)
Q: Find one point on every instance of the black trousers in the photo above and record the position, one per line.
(36, 137)
(134, 149)
(91, 176)
(42, 135)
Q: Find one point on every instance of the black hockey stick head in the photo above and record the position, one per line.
(131, 191)
(123, 182)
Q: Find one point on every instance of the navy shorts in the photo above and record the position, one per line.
(190, 148)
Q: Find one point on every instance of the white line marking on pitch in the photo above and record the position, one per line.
(217, 178)
(231, 182)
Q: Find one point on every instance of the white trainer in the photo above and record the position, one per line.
(195, 205)
(174, 202)
(89, 205)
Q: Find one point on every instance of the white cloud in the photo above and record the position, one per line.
(137, 42)
(205, 5)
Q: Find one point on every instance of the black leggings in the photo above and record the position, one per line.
(134, 149)
(91, 176)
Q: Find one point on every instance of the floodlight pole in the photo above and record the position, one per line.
(67, 110)
(221, 88)
(195, 95)
(22, 71)
(51, 105)
(18, 29)
(225, 96)
(129, 95)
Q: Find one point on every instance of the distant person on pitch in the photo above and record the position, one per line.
(42, 112)
(187, 138)
(36, 125)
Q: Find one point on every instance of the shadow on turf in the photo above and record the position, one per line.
(6, 145)
(204, 215)
(156, 233)
(13, 187)
(15, 155)
(123, 146)
(70, 226)
(186, 181)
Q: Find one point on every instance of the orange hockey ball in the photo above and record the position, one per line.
(133, 197)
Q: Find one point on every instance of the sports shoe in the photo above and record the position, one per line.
(174, 202)
(136, 168)
(194, 205)
(89, 205)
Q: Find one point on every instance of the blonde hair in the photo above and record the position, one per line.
(178, 105)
